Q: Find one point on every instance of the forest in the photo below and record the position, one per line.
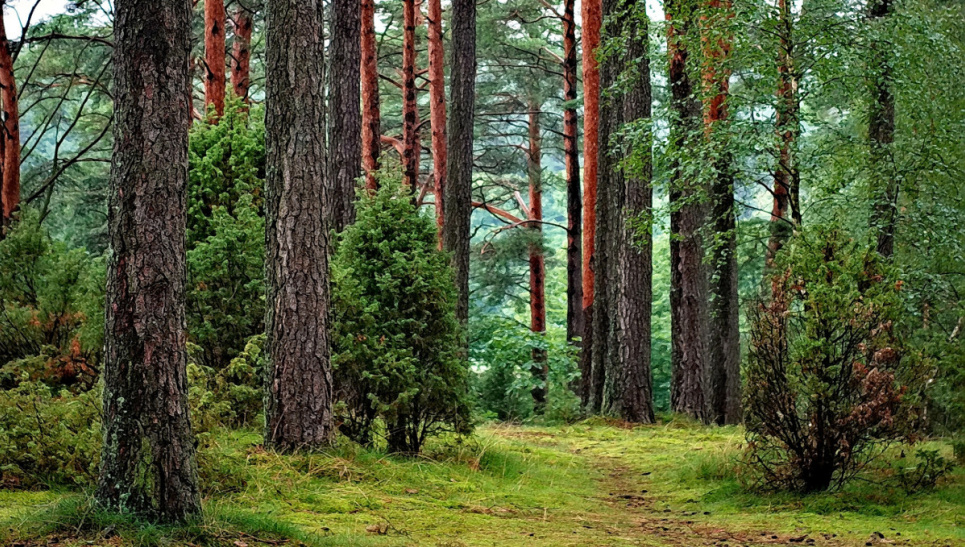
(482, 272)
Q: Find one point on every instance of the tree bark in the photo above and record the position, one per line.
(571, 153)
(437, 109)
(688, 283)
(592, 389)
(148, 460)
(214, 55)
(724, 357)
(10, 140)
(371, 115)
(537, 265)
(298, 410)
(881, 135)
(411, 151)
(345, 121)
(241, 53)
(458, 189)
(635, 267)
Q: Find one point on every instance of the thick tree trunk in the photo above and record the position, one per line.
(148, 459)
(241, 53)
(371, 115)
(10, 140)
(298, 410)
(537, 266)
(214, 55)
(571, 153)
(592, 20)
(437, 109)
(787, 179)
(345, 121)
(411, 150)
(458, 189)
(724, 357)
(688, 280)
(635, 269)
(881, 135)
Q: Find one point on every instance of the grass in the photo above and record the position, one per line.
(593, 483)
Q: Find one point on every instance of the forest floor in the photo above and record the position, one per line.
(592, 483)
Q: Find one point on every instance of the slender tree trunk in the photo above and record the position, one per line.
(298, 410)
(724, 357)
(688, 283)
(537, 266)
(345, 122)
(571, 153)
(437, 109)
(241, 53)
(458, 189)
(10, 140)
(371, 115)
(592, 389)
(881, 134)
(635, 268)
(214, 55)
(410, 108)
(787, 180)
(148, 460)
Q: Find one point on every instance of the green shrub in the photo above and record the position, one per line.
(929, 468)
(231, 396)
(829, 380)
(51, 309)
(396, 341)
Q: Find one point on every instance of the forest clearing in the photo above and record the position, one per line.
(594, 483)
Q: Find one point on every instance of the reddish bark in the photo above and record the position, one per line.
(214, 53)
(371, 116)
(410, 112)
(571, 153)
(592, 22)
(537, 265)
(437, 108)
(10, 143)
(241, 54)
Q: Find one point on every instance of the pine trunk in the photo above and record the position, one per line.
(881, 134)
(10, 140)
(571, 153)
(592, 388)
(214, 55)
(298, 410)
(411, 151)
(537, 266)
(371, 115)
(148, 460)
(241, 54)
(437, 109)
(345, 121)
(688, 280)
(458, 190)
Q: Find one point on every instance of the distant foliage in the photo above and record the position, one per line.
(395, 338)
(226, 235)
(51, 309)
(232, 396)
(829, 379)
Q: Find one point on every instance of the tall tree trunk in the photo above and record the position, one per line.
(881, 134)
(635, 266)
(787, 180)
(411, 151)
(592, 388)
(537, 266)
(371, 115)
(724, 358)
(437, 109)
(241, 53)
(214, 55)
(571, 153)
(10, 140)
(298, 409)
(458, 189)
(345, 122)
(688, 280)
(148, 460)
